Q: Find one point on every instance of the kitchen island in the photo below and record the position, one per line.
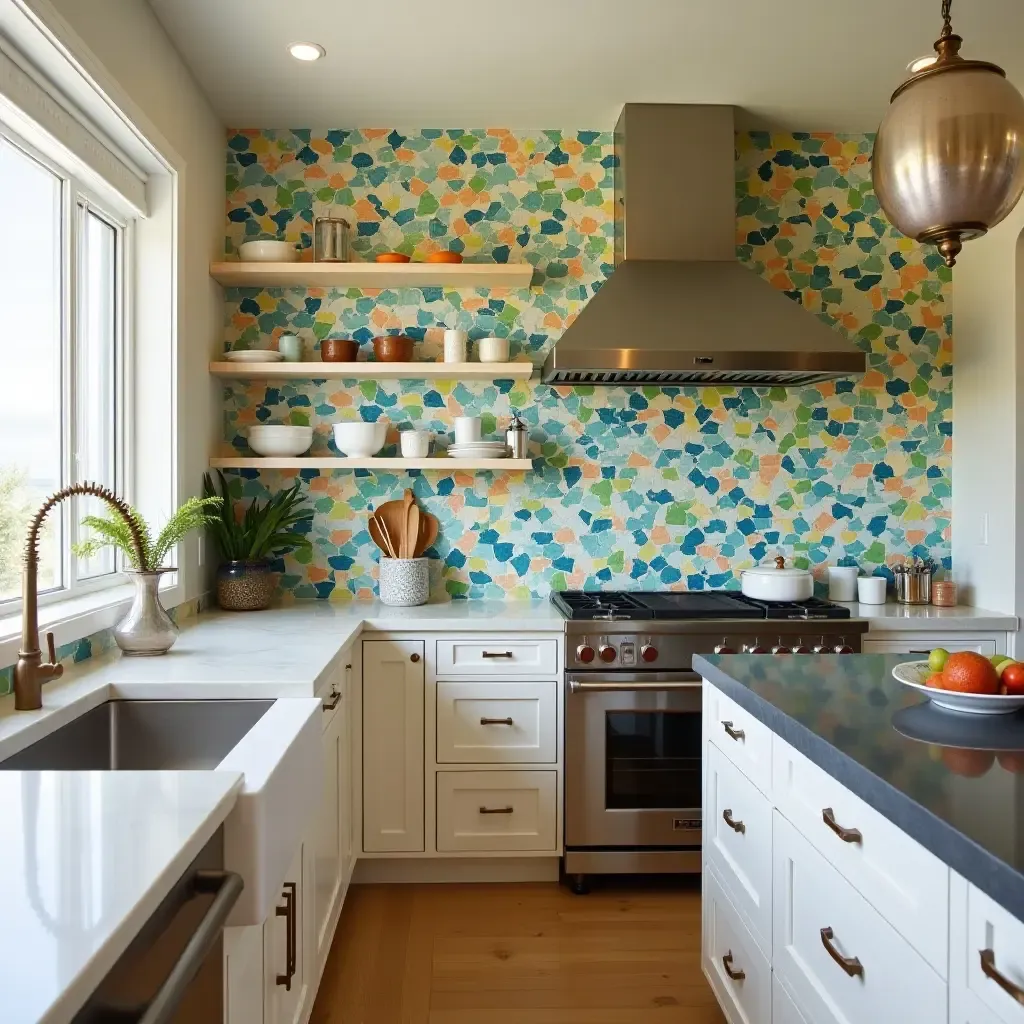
(864, 851)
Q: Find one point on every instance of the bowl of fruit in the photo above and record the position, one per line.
(967, 681)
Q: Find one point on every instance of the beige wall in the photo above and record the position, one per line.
(988, 417)
(123, 46)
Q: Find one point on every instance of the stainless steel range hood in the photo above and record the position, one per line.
(679, 308)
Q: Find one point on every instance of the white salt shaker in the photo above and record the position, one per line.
(455, 342)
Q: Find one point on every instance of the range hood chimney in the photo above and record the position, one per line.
(680, 309)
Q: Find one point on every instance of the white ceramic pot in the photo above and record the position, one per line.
(842, 582)
(774, 583)
(268, 251)
(415, 444)
(871, 589)
(455, 342)
(467, 429)
(360, 440)
(493, 350)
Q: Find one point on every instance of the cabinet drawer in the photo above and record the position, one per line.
(905, 883)
(738, 841)
(497, 657)
(993, 930)
(816, 911)
(503, 811)
(737, 970)
(744, 740)
(510, 723)
(924, 647)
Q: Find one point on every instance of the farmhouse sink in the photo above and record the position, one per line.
(273, 744)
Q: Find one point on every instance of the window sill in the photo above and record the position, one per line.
(77, 617)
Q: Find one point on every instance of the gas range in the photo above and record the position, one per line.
(633, 749)
(662, 630)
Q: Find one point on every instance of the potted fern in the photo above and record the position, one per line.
(147, 629)
(247, 538)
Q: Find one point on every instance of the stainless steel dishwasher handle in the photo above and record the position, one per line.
(608, 684)
(228, 886)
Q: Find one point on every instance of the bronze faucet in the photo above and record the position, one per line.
(31, 671)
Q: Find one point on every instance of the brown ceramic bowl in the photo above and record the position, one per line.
(339, 350)
(444, 257)
(391, 257)
(393, 348)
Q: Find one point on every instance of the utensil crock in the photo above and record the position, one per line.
(404, 582)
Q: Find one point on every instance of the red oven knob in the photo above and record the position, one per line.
(843, 647)
(800, 647)
(606, 652)
(724, 648)
(649, 652)
(585, 653)
(754, 648)
(781, 648)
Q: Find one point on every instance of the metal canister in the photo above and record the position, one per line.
(944, 594)
(913, 585)
(516, 437)
(330, 240)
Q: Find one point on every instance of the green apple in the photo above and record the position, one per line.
(999, 662)
(937, 659)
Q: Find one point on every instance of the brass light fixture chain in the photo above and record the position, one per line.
(947, 25)
(97, 491)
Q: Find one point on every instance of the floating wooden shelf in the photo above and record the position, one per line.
(372, 275)
(373, 371)
(387, 465)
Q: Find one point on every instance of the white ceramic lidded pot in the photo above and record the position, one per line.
(777, 583)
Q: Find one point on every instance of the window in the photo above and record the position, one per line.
(61, 363)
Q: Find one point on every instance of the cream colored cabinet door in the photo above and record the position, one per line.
(327, 843)
(243, 975)
(285, 970)
(393, 746)
(346, 822)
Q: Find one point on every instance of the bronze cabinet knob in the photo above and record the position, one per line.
(414, 657)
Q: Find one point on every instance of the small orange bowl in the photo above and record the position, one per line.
(391, 257)
(444, 257)
(393, 348)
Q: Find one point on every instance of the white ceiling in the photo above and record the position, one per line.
(800, 64)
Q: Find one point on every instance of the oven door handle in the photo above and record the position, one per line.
(608, 684)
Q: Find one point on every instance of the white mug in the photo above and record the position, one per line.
(415, 443)
(493, 350)
(291, 348)
(842, 583)
(455, 346)
(467, 429)
(871, 589)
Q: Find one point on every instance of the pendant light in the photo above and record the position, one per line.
(948, 162)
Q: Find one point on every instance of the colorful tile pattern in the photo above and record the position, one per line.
(641, 488)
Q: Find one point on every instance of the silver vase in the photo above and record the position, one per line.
(147, 629)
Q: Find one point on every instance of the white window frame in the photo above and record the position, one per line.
(77, 201)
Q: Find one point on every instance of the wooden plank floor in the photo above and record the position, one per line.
(515, 954)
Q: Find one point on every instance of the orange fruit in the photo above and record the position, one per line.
(935, 680)
(970, 672)
(969, 763)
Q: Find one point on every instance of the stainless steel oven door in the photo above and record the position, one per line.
(633, 760)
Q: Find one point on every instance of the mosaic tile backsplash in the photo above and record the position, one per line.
(643, 487)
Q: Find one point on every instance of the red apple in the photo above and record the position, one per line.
(1013, 679)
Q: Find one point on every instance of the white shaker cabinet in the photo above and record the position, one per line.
(393, 765)
(286, 960)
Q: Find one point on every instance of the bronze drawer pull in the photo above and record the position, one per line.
(848, 835)
(496, 654)
(329, 704)
(289, 913)
(496, 810)
(736, 826)
(988, 968)
(730, 970)
(496, 721)
(736, 734)
(850, 964)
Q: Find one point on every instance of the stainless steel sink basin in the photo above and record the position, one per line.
(144, 735)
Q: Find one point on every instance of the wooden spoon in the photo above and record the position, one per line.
(377, 536)
(427, 534)
(406, 540)
(412, 531)
(391, 516)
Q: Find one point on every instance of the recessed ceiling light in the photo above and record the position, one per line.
(921, 63)
(307, 51)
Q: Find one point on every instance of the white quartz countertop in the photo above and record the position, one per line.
(85, 859)
(912, 618)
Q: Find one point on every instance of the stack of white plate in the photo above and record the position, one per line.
(478, 450)
(254, 355)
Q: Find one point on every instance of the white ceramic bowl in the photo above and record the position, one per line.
(360, 440)
(493, 350)
(268, 251)
(280, 440)
(914, 674)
